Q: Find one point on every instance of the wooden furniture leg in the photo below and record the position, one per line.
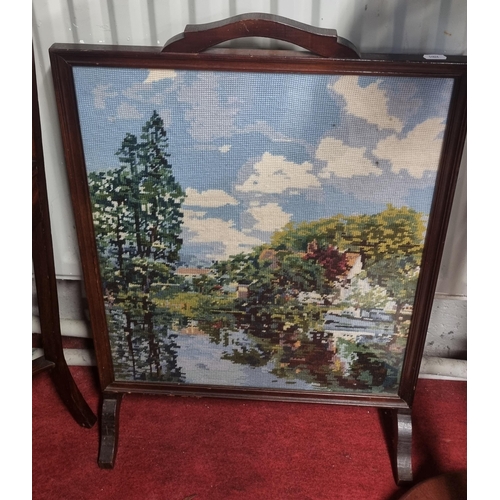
(53, 358)
(110, 415)
(46, 288)
(402, 446)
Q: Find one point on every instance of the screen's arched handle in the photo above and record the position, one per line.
(320, 41)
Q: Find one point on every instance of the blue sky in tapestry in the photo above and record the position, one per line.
(254, 151)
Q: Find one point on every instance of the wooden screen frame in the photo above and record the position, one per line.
(191, 50)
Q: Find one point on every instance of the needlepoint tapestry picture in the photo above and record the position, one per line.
(260, 230)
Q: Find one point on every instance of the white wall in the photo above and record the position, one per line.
(389, 26)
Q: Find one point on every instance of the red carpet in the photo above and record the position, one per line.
(210, 449)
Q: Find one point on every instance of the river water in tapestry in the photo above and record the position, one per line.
(260, 230)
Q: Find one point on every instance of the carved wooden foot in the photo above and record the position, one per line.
(71, 395)
(403, 445)
(110, 413)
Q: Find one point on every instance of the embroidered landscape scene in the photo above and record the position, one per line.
(260, 230)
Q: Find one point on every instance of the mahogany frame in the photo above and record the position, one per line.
(327, 54)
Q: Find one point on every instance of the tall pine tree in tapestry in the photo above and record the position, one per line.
(138, 222)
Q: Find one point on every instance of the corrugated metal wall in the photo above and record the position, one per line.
(390, 26)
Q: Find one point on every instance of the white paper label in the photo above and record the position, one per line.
(439, 57)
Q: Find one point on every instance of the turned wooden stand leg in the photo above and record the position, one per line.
(403, 446)
(110, 414)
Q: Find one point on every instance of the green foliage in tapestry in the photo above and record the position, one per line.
(138, 221)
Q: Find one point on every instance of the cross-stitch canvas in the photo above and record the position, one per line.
(260, 230)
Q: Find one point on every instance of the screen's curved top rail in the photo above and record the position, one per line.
(320, 41)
